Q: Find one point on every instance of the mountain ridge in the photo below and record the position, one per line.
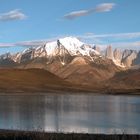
(67, 47)
(76, 63)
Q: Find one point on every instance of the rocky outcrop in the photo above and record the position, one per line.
(5, 60)
(118, 55)
(27, 55)
(109, 52)
(126, 53)
(137, 60)
(128, 57)
(97, 48)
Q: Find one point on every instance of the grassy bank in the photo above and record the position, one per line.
(22, 135)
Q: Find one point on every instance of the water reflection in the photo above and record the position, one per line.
(71, 113)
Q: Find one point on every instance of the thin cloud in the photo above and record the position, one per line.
(12, 15)
(104, 7)
(36, 43)
(118, 36)
(88, 37)
(33, 43)
(6, 45)
(126, 45)
(76, 14)
(30, 43)
(123, 40)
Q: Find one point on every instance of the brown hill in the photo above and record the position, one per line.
(42, 81)
(81, 71)
(32, 80)
(125, 80)
(80, 74)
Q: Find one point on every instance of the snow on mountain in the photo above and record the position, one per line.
(63, 48)
(51, 48)
(71, 44)
(16, 57)
(5, 56)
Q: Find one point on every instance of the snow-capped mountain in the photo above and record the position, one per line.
(65, 49)
(60, 48)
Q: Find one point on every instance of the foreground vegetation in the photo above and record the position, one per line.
(22, 135)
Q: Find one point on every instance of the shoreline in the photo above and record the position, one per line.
(35, 135)
(130, 92)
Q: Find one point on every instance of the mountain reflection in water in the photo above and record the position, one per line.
(71, 113)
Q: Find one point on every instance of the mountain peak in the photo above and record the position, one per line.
(70, 41)
(65, 49)
(72, 44)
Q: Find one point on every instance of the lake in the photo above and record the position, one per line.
(86, 113)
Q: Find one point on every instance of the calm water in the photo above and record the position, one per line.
(71, 113)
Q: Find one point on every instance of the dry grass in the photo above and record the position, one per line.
(42, 81)
(34, 80)
(17, 135)
(29, 80)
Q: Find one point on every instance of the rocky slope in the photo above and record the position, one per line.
(137, 60)
(80, 70)
(126, 58)
(84, 72)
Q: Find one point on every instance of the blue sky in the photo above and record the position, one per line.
(30, 22)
